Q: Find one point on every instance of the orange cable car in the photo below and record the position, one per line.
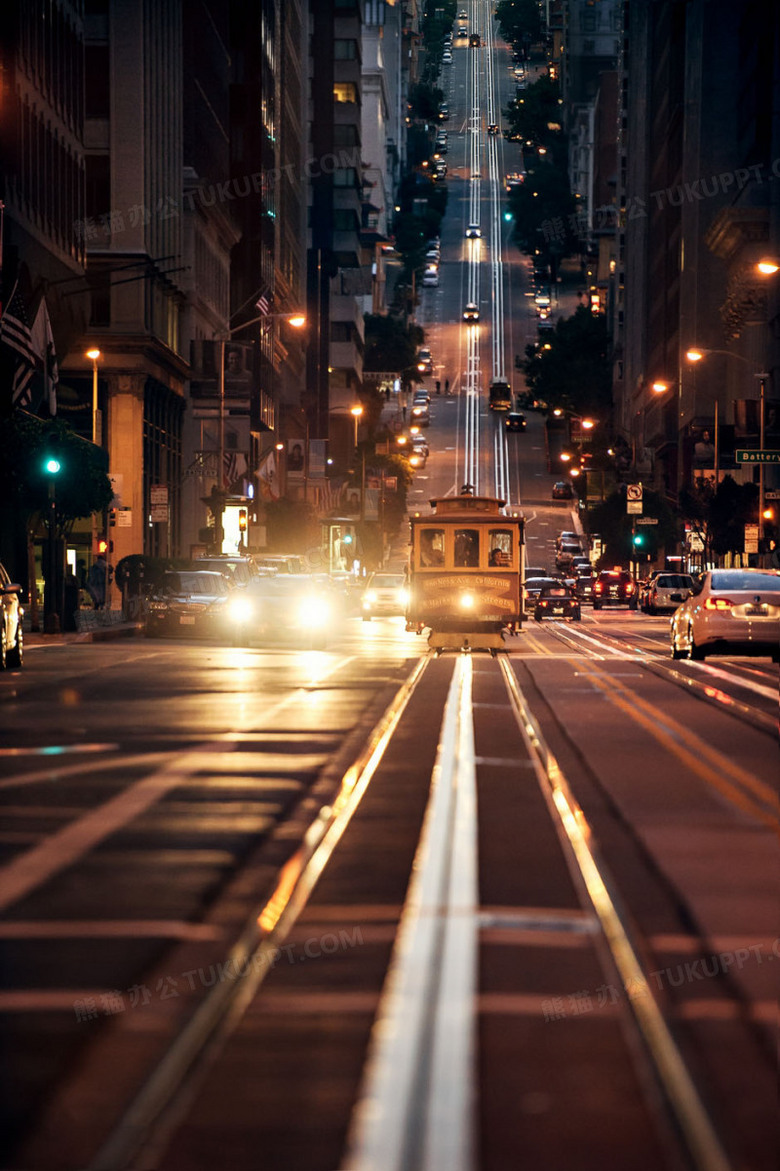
(465, 569)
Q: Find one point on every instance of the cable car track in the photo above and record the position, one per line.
(426, 1023)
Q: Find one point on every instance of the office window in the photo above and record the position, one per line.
(345, 91)
(345, 50)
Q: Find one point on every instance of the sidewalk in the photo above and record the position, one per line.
(114, 630)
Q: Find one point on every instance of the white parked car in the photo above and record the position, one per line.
(731, 611)
(663, 589)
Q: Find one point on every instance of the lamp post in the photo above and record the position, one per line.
(216, 502)
(697, 354)
(51, 610)
(97, 429)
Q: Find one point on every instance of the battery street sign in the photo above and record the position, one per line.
(647, 520)
(742, 456)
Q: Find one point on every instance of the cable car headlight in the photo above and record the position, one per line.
(369, 597)
(403, 596)
(466, 601)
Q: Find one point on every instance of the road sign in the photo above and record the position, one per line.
(633, 491)
(772, 494)
(751, 538)
(742, 456)
(634, 507)
(647, 520)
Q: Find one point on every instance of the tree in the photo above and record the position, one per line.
(82, 485)
(574, 373)
(535, 116)
(616, 525)
(520, 20)
(542, 209)
(390, 344)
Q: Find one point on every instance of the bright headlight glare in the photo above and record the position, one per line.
(370, 597)
(239, 609)
(403, 597)
(315, 611)
(466, 601)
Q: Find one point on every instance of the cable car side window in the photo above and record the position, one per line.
(500, 545)
(431, 547)
(466, 549)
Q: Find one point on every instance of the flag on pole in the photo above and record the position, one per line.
(15, 334)
(264, 304)
(234, 465)
(43, 345)
(267, 484)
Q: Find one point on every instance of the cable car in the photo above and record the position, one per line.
(474, 41)
(465, 569)
(500, 396)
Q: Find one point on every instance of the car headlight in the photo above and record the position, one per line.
(314, 611)
(239, 610)
(157, 607)
(403, 597)
(369, 598)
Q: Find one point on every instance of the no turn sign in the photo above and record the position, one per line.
(633, 491)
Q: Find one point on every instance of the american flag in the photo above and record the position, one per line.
(15, 333)
(264, 304)
(233, 465)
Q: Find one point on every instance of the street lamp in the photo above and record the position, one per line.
(356, 413)
(697, 354)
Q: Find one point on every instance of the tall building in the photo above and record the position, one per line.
(699, 131)
(334, 281)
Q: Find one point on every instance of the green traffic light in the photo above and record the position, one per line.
(52, 465)
(507, 215)
(638, 540)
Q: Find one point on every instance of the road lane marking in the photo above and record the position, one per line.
(709, 764)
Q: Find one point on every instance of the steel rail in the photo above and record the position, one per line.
(695, 1128)
(148, 1117)
(415, 1107)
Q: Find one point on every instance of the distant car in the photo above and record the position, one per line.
(425, 361)
(566, 553)
(562, 491)
(515, 421)
(198, 603)
(533, 586)
(420, 443)
(385, 594)
(662, 590)
(583, 587)
(463, 31)
(421, 395)
(542, 300)
(581, 566)
(731, 611)
(421, 414)
(463, 15)
(514, 179)
(471, 312)
(238, 570)
(431, 280)
(492, 128)
(282, 562)
(295, 607)
(557, 601)
(566, 535)
(444, 112)
(11, 618)
(533, 571)
(473, 232)
(614, 587)
(446, 57)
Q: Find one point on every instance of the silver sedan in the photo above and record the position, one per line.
(730, 611)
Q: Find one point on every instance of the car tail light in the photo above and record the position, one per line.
(629, 587)
(597, 588)
(718, 604)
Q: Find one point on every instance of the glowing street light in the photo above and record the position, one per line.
(356, 413)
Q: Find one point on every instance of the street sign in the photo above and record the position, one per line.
(633, 491)
(772, 494)
(647, 520)
(742, 456)
(751, 538)
(634, 507)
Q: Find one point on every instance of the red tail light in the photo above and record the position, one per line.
(597, 588)
(718, 604)
(630, 587)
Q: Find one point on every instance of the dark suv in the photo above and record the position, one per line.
(614, 587)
